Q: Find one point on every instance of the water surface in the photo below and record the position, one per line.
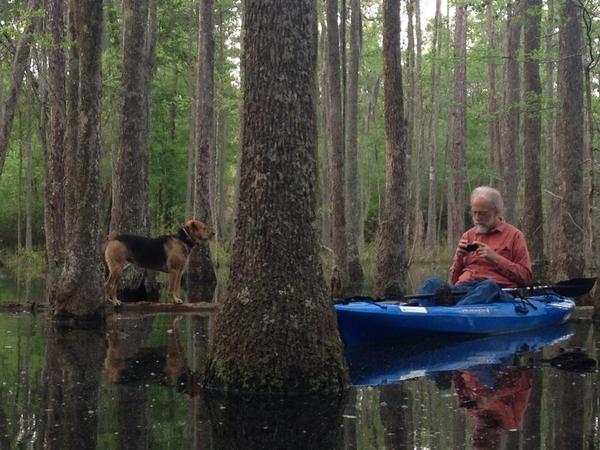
(135, 385)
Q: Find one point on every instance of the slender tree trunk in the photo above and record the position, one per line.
(456, 182)
(432, 133)
(494, 125)
(130, 194)
(355, 270)
(591, 243)
(222, 123)
(54, 220)
(551, 147)
(201, 273)
(533, 217)
(29, 190)
(325, 171)
(419, 126)
(16, 79)
(410, 72)
(570, 261)
(339, 234)
(191, 165)
(286, 339)
(512, 94)
(20, 188)
(588, 179)
(79, 291)
(1, 96)
(129, 211)
(391, 251)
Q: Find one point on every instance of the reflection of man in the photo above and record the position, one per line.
(497, 408)
(491, 255)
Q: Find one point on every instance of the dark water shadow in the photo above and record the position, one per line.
(275, 423)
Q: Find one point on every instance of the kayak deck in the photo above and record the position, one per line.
(370, 322)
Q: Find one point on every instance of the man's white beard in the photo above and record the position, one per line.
(483, 229)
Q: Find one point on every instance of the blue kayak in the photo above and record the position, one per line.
(415, 358)
(364, 322)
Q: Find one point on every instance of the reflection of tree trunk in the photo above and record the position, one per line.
(73, 366)
(200, 331)
(531, 434)
(261, 423)
(5, 443)
(571, 414)
(350, 417)
(395, 416)
(131, 398)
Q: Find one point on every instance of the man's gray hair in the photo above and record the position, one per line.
(490, 194)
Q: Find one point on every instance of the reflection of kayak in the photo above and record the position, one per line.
(416, 358)
(371, 322)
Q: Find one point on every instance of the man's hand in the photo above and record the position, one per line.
(486, 252)
(461, 250)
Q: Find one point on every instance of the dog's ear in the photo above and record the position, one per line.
(191, 225)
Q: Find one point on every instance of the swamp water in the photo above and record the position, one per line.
(135, 385)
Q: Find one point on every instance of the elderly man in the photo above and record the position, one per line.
(491, 255)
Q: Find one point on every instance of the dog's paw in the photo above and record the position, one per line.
(114, 302)
(177, 301)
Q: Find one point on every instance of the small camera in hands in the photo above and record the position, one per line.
(471, 247)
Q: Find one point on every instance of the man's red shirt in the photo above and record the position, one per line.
(514, 267)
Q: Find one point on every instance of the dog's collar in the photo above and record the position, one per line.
(185, 237)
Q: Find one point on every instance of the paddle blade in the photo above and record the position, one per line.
(574, 287)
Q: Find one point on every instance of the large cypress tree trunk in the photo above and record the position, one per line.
(336, 139)
(570, 261)
(391, 251)
(129, 212)
(79, 291)
(512, 96)
(16, 80)
(456, 182)
(276, 331)
(54, 211)
(533, 218)
(355, 270)
(201, 273)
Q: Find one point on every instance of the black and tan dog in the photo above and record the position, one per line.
(165, 253)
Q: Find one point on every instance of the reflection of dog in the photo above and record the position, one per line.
(165, 366)
(165, 253)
